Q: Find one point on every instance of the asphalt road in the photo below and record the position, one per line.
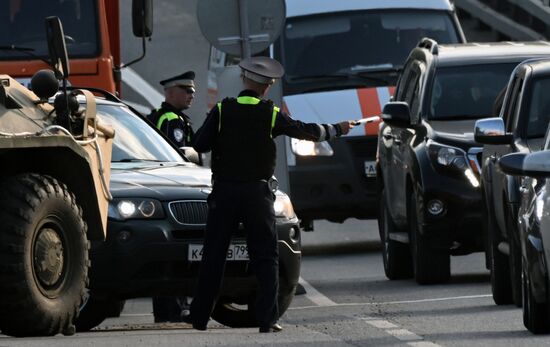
(348, 302)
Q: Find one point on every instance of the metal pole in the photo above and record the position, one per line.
(243, 19)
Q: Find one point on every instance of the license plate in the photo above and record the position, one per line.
(236, 251)
(370, 168)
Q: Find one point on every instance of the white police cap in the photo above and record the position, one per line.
(263, 70)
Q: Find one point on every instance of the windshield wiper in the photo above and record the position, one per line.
(134, 160)
(26, 50)
(337, 76)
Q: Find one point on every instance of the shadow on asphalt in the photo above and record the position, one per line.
(341, 248)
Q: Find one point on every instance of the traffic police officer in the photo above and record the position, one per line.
(240, 132)
(169, 118)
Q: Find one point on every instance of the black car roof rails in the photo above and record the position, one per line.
(429, 44)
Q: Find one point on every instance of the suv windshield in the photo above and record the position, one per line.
(539, 108)
(22, 26)
(467, 92)
(135, 140)
(358, 42)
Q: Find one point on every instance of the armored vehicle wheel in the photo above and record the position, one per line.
(535, 315)
(94, 311)
(430, 265)
(243, 316)
(396, 255)
(499, 266)
(44, 254)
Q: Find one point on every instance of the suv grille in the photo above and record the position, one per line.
(189, 212)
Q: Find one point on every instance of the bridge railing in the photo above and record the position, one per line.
(523, 20)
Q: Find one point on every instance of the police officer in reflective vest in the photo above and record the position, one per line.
(240, 132)
(169, 118)
(179, 93)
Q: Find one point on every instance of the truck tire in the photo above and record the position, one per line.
(44, 251)
(501, 285)
(430, 265)
(535, 315)
(395, 255)
(243, 316)
(94, 311)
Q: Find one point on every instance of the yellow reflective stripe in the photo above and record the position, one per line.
(168, 115)
(248, 100)
(273, 118)
(219, 116)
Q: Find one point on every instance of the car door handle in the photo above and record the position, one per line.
(523, 189)
(397, 141)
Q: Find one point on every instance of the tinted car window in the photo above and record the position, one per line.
(358, 41)
(463, 92)
(135, 140)
(22, 25)
(539, 109)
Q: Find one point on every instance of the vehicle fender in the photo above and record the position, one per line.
(63, 159)
(417, 159)
(536, 265)
(511, 185)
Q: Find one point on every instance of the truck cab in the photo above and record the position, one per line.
(92, 35)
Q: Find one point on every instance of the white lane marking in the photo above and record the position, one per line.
(142, 87)
(399, 333)
(393, 302)
(381, 324)
(404, 335)
(315, 296)
(423, 344)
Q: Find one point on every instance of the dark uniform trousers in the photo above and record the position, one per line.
(231, 203)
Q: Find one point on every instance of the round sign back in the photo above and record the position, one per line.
(220, 23)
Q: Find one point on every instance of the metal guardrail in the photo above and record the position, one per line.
(523, 20)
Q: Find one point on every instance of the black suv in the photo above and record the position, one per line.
(524, 117)
(155, 229)
(428, 162)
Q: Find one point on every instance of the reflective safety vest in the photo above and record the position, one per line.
(245, 150)
(170, 116)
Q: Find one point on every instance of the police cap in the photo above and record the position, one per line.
(263, 70)
(183, 80)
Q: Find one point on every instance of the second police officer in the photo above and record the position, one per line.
(169, 118)
(240, 132)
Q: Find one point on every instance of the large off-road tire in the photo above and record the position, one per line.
(395, 255)
(430, 265)
(243, 316)
(499, 266)
(536, 316)
(44, 256)
(94, 311)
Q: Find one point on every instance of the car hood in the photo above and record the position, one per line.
(158, 180)
(460, 132)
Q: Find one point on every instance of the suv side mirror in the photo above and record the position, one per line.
(397, 113)
(56, 47)
(536, 164)
(491, 131)
(142, 18)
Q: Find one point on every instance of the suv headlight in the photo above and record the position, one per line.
(452, 158)
(309, 148)
(283, 206)
(135, 208)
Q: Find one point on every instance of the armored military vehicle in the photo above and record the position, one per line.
(54, 196)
